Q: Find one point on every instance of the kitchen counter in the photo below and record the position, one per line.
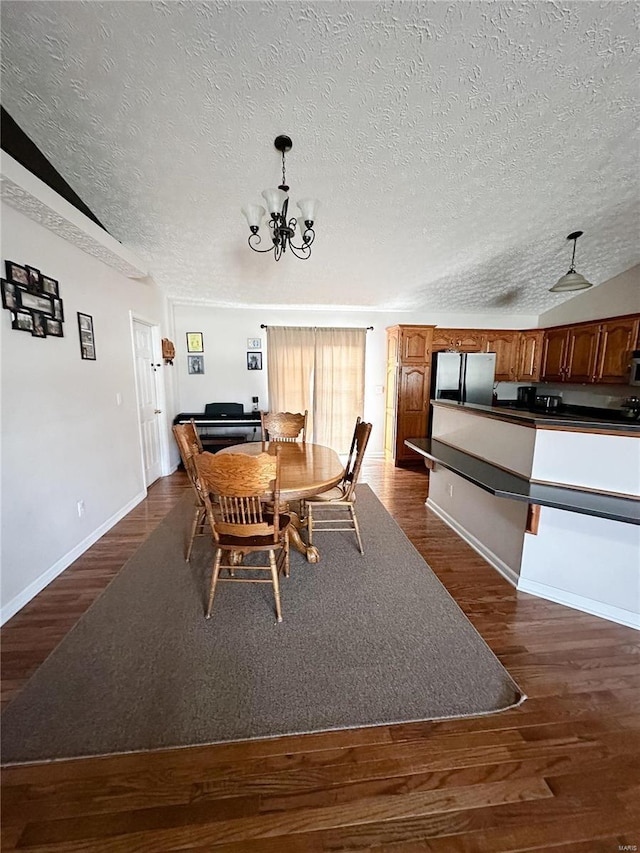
(551, 501)
(572, 420)
(504, 484)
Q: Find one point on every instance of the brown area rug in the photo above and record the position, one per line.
(365, 641)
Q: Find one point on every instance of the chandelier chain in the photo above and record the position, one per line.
(284, 177)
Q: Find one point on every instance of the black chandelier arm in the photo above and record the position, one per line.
(301, 252)
(256, 240)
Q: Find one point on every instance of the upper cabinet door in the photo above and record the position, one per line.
(505, 346)
(529, 356)
(581, 355)
(461, 340)
(554, 355)
(618, 339)
(415, 344)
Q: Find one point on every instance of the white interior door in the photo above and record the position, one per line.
(148, 410)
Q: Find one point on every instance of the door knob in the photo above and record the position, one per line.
(158, 412)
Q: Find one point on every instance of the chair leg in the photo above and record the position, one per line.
(214, 580)
(310, 523)
(198, 520)
(356, 526)
(286, 555)
(276, 584)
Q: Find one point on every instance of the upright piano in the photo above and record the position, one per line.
(222, 424)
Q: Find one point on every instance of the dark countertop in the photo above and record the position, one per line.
(503, 484)
(572, 417)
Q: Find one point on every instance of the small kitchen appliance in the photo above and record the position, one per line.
(526, 395)
(546, 403)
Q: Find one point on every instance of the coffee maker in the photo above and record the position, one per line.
(526, 395)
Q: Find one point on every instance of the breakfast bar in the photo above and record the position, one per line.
(551, 501)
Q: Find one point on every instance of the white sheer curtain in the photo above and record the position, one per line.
(320, 370)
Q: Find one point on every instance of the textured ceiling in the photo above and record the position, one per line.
(452, 145)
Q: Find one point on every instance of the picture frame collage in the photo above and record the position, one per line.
(254, 359)
(33, 300)
(195, 353)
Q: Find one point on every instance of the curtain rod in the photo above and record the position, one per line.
(367, 328)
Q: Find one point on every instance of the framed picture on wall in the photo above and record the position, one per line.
(35, 301)
(87, 340)
(9, 295)
(22, 321)
(254, 343)
(34, 279)
(53, 327)
(58, 309)
(17, 273)
(195, 364)
(254, 361)
(195, 342)
(49, 285)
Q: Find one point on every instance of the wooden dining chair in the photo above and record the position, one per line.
(190, 446)
(245, 517)
(283, 426)
(335, 510)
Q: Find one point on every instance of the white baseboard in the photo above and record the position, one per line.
(36, 586)
(580, 602)
(499, 565)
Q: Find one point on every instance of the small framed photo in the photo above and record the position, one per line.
(17, 273)
(34, 279)
(49, 285)
(254, 343)
(39, 329)
(58, 309)
(53, 328)
(195, 363)
(254, 361)
(23, 321)
(9, 295)
(35, 301)
(87, 340)
(195, 342)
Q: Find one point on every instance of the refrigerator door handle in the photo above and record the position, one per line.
(463, 378)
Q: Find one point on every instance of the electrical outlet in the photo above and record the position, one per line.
(80, 509)
(118, 399)
(450, 489)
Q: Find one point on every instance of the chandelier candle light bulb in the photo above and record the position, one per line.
(282, 230)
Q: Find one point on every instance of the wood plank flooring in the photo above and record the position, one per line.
(560, 773)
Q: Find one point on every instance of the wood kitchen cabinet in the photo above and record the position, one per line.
(554, 354)
(569, 353)
(529, 356)
(461, 340)
(618, 339)
(505, 345)
(408, 386)
(590, 352)
(582, 349)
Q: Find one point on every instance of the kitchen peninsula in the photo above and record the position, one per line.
(551, 501)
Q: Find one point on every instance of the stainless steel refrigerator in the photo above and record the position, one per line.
(467, 377)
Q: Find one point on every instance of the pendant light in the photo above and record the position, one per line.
(572, 280)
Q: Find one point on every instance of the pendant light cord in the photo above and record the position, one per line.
(573, 256)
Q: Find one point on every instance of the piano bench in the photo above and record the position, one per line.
(215, 442)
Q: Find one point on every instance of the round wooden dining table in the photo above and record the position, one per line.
(305, 470)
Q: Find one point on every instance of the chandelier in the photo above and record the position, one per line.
(572, 280)
(282, 230)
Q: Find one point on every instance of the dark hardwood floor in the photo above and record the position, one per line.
(561, 772)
